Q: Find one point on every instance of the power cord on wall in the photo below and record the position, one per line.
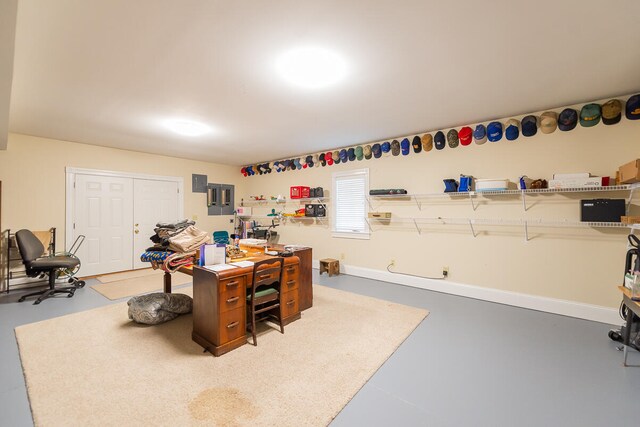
(444, 276)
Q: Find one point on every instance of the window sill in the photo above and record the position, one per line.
(361, 236)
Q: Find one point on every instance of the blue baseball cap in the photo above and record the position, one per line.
(480, 134)
(568, 119)
(512, 130)
(343, 155)
(632, 109)
(529, 125)
(494, 131)
(386, 147)
(351, 154)
(376, 150)
(439, 140)
(405, 145)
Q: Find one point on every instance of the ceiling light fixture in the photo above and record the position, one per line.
(311, 67)
(187, 127)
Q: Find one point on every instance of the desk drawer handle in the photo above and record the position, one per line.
(230, 284)
(291, 269)
(291, 282)
(233, 299)
(291, 302)
(232, 325)
(264, 276)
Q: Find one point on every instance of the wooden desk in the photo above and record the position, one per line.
(634, 307)
(219, 304)
(305, 275)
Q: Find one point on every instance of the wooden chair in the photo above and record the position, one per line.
(264, 297)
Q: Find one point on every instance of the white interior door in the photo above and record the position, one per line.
(154, 201)
(104, 214)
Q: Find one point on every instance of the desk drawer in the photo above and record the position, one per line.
(232, 325)
(230, 301)
(290, 303)
(289, 283)
(233, 286)
(290, 272)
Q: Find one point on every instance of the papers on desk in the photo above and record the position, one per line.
(295, 247)
(243, 263)
(220, 267)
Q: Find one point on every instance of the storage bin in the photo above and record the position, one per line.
(299, 192)
(491, 185)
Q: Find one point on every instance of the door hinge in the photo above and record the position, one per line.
(74, 225)
(74, 184)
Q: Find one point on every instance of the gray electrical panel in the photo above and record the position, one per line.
(198, 183)
(220, 199)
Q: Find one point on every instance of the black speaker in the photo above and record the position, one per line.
(602, 210)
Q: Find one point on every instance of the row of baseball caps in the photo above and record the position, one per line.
(590, 115)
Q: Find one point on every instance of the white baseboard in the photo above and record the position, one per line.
(550, 305)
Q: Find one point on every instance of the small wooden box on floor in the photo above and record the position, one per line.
(330, 265)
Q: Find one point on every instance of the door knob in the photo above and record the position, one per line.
(137, 231)
(136, 225)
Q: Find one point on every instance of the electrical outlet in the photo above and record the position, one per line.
(194, 217)
(445, 271)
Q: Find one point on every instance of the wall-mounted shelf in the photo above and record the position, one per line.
(284, 202)
(472, 222)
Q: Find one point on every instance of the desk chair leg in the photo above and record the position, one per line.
(627, 335)
(48, 293)
(253, 327)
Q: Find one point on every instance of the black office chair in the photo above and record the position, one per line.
(31, 251)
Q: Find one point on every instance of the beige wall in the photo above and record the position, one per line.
(578, 265)
(32, 171)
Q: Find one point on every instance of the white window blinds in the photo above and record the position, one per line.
(350, 203)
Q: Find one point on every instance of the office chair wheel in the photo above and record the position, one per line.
(70, 295)
(36, 302)
(80, 284)
(21, 299)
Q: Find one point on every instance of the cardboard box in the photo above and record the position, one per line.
(630, 219)
(630, 172)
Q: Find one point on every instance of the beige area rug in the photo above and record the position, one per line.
(139, 285)
(117, 373)
(114, 277)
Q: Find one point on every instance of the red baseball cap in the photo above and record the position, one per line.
(328, 158)
(465, 135)
(244, 171)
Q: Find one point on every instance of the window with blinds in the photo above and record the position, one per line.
(350, 204)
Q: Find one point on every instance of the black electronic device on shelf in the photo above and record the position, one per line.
(602, 210)
(388, 191)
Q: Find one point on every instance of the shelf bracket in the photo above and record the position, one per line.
(630, 198)
(472, 230)
(369, 224)
(526, 232)
(369, 202)
(524, 200)
(417, 203)
(473, 206)
(416, 224)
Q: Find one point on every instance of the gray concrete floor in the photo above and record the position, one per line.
(469, 363)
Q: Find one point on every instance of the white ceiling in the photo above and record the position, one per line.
(107, 72)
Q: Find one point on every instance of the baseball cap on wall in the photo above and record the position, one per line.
(632, 109)
(548, 122)
(351, 154)
(416, 143)
(376, 149)
(466, 135)
(494, 131)
(336, 157)
(568, 119)
(385, 147)
(439, 140)
(359, 152)
(480, 134)
(590, 115)
(611, 112)
(529, 125)
(405, 145)
(427, 142)
(395, 147)
(367, 151)
(512, 129)
(452, 138)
